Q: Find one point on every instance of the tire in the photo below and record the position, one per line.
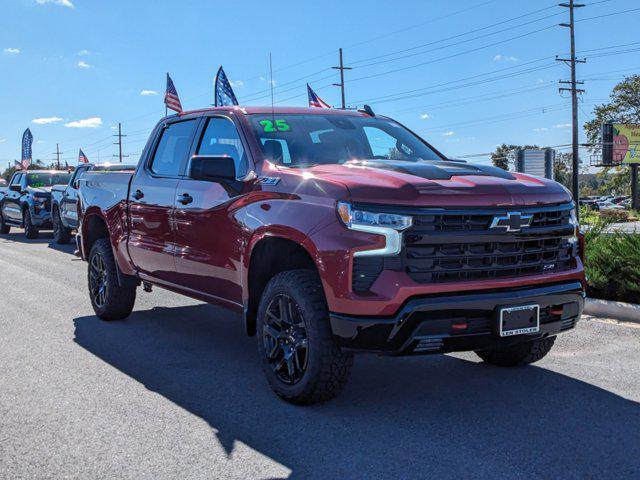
(4, 228)
(30, 230)
(320, 368)
(61, 234)
(109, 300)
(517, 355)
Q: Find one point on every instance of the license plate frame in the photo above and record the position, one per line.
(519, 320)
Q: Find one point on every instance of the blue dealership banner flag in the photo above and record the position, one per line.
(224, 95)
(27, 141)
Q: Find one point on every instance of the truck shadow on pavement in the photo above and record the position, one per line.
(436, 417)
(45, 238)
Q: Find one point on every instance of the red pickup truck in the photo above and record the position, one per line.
(333, 232)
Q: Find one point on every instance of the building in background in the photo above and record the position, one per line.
(536, 162)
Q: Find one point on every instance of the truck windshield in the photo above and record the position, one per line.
(37, 180)
(300, 140)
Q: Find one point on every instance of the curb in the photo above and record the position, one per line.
(627, 312)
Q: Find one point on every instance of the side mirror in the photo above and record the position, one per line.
(15, 188)
(212, 168)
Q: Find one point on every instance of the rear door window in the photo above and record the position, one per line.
(173, 148)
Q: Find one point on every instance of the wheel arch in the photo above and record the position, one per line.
(269, 255)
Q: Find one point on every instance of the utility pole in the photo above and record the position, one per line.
(574, 98)
(57, 153)
(119, 142)
(342, 68)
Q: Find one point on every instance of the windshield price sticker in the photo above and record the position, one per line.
(280, 126)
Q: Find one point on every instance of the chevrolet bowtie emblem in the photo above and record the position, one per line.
(512, 221)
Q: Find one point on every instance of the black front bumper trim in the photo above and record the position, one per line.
(458, 322)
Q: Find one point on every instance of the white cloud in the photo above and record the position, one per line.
(82, 64)
(148, 92)
(449, 134)
(425, 116)
(236, 83)
(62, 3)
(541, 129)
(562, 125)
(83, 53)
(263, 79)
(39, 141)
(2, 140)
(12, 51)
(113, 127)
(46, 120)
(93, 122)
(504, 58)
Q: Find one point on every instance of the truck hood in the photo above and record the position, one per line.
(39, 190)
(440, 183)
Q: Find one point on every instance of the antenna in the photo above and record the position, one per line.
(273, 113)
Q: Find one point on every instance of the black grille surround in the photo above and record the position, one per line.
(448, 245)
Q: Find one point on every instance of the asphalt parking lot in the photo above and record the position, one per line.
(175, 391)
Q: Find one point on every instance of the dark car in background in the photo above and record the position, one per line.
(64, 198)
(26, 202)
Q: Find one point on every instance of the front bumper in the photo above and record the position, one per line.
(41, 216)
(459, 322)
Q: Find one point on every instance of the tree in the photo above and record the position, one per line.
(562, 169)
(623, 107)
(500, 158)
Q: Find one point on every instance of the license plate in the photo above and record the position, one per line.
(519, 320)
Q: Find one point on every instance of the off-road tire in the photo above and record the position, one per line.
(327, 368)
(119, 300)
(30, 230)
(61, 234)
(4, 228)
(517, 355)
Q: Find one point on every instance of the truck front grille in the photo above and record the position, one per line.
(447, 245)
(429, 263)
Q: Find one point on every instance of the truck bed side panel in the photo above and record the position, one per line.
(105, 194)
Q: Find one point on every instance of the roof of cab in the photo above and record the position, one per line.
(42, 171)
(264, 110)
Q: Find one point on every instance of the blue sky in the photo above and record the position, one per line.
(465, 75)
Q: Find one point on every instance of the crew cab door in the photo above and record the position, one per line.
(69, 200)
(152, 198)
(11, 205)
(206, 232)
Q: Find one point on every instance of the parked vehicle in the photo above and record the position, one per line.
(589, 203)
(609, 205)
(64, 212)
(3, 184)
(26, 202)
(335, 231)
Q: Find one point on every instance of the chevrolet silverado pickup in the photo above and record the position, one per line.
(26, 202)
(64, 211)
(332, 232)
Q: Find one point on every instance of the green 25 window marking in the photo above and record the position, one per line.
(280, 126)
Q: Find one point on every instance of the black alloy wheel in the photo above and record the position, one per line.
(98, 280)
(285, 338)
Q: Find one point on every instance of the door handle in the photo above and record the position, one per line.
(185, 199)
(137, 195)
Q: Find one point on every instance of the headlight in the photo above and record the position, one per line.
(387, 224)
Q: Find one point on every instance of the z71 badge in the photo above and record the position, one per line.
(268, 180)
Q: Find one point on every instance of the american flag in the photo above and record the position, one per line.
(171, 99)
(82, 158)
(18, 165)
(27, 140)
(224, 95)
(314, 100)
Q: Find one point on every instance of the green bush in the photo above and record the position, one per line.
(612, 264)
